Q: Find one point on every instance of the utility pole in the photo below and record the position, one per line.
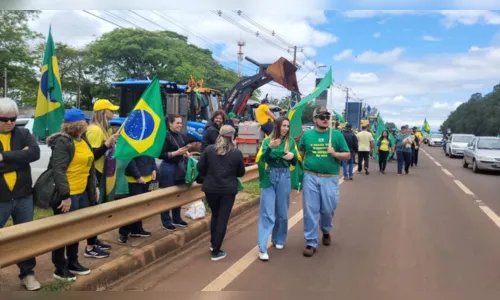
(5, 82)
(241, 43)
(346, 101)
(292, 102)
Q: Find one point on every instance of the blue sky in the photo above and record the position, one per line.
(410, 64)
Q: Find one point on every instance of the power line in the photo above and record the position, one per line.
(123, 19)
(104, 19)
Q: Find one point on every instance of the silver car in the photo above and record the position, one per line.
(436, 139)
(457, 144)
(483, 153)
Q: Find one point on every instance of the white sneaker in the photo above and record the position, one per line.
(279, 247)
(31, 283)
(263, 256)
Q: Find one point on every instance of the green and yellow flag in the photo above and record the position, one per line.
(295, 113)
(49, 112)
(426, 127)
(144, 130)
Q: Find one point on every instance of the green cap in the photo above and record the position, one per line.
(232, 115)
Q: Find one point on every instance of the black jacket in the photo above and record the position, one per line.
(209, 136)
(351, 139)
(173, 141)
(141, 166)
(220, 172)
(63, 151)
(18, 160)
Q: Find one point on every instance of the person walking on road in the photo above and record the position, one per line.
(403, 150)
(352, 142)
(18, 148)
(220, 165)
(417, 136)
(365, 147)
(321, 177)
(383, 146)
(277, 153)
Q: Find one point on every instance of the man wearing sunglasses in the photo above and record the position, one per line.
(18, 148)
(321, 177)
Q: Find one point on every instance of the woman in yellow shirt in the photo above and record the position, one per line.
(383, 147)
(72, 162)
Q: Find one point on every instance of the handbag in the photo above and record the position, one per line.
(181, 167)
(45, 193)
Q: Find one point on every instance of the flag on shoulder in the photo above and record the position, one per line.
(144, 130)
(49, 110)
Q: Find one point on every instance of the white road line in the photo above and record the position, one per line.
(491, 214)
(447, 172)
(463, 187)
(437, 163)
(224, 279)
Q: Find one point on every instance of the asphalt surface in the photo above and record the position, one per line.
(432, 234)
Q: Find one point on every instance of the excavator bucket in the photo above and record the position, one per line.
(283, 72)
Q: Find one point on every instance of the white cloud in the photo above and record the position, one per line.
(445, 105)
(470, 17)
(377, 35)
(346, 54)
(377, 13)
(472, 86)
(380, 58)
(362, 77)
(430, 38)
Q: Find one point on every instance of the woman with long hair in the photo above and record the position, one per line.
(220, 165)
(277, 152)
(384, 145)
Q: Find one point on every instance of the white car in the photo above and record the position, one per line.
(436, 140)
(458, 144)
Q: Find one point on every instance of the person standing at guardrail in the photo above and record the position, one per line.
(220, 165)
(18, 148)
(321, 177)
(275, 157)
(173, 169)
(211, 133)
(72, 163)
(140, 172)
(101, 138)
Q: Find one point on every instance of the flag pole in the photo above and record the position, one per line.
(330, 110)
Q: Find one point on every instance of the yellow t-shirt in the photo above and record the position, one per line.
(261, 115)
(11, 177)
(364, 139)
(384, 145)
(96, 138)
(79, 168)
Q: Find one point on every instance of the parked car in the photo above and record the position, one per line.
(457, 144)
(435, 140)
(483, 153)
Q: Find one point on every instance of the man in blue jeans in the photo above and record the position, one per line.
(403, 150)
(323, 149)
(352, 142)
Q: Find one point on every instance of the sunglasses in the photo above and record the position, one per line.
(5, 119)
(323, 117)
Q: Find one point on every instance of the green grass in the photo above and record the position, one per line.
(252, 187)
(37, 214)
(55, 286)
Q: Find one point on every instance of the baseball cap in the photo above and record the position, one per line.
(320, 111)
(227, 131)
(101, 104)
(118, 121)
(348, 126)
(232, 115)
(74, 115)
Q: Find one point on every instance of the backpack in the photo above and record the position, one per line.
(45, 193)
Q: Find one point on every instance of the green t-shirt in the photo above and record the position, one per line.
(314, 144)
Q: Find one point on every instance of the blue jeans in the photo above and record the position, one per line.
(79, 201)
(348, 166)
(273, 210)
(404, 159)
(167, 179)
(21, 211)
(321, 195)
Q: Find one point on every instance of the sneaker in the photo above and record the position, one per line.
(95, 252)
(123, 238)
(263, 256)
(182, 224)
(76, 269)
(102, 245)
(64, 275)
(350, 178)
(309, 251)
(30, 283)
(218, 256)
(278, 246)
(327, 239)
(143, 233)
(169, 227)
(366, 172)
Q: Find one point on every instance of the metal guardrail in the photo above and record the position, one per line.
(23, 241)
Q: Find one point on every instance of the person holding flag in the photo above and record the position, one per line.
(277, 155)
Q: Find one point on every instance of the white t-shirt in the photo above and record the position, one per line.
(364, 139)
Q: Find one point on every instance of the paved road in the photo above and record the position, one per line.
(419, 236)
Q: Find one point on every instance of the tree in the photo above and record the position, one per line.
(390, 125)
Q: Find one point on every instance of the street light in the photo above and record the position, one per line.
(318, 67)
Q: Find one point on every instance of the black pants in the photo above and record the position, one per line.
(363, 156)
(414, 157)
(382, 159)
(136, 227)
(221, 206)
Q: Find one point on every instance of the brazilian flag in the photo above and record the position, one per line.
(49, 110)
(143, 132)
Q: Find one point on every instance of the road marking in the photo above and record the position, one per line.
(447, 172)
(491, 214)
(463, 187)
(224, 279)
(437, 163)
